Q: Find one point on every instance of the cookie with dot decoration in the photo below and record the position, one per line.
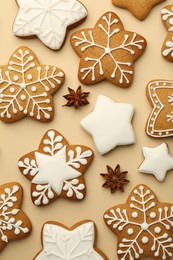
(144, 226)
(26, 87)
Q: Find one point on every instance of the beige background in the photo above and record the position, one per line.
(19, 138)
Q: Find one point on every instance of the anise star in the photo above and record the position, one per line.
(76, 98)
(115, 179)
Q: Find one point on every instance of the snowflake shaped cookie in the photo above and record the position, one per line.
(139, 8)
(167, 19)
(77, 242)
(56, 169)
(49, 20)
(143, 225)
(14, 224)
(107, 51)
(160, 96)
(26, 87)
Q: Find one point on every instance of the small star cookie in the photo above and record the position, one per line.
(26, 87)
(77, 242)
(56, 169)
(107, 51)
(143, 225)
(139, 8)
(49, 20)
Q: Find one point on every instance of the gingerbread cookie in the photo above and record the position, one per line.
(56, 169)
(107, 51)
(14, 224)
(143, 225)
(26, 87)
(139, 8)
(48, 20)
(110, 124)
(157, 161)
(160, 96)
(77, 242)
(167, 18)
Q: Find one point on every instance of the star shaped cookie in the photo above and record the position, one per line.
(139, 8)
(160, 96)
(26, 87)
(77, 242)
(157, 161)
(49, 20)
(143, 225)
(56, 169)
(107, 51)
(110, 124)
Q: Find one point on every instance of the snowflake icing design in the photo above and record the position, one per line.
(26, 87)
(74, 243)
(107, 51)
(56, 169)
(48, 20)
(12, 219)
(143, 225)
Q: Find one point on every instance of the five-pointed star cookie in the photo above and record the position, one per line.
(143, 225)
(49, 20)
(77, 242)
(157, 161)
(56, 169)
(160, 96)
(14, 224)
(110, 124)
(139, 8)
(26, 87)
(107, 51)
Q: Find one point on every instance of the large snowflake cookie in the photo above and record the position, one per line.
(139, 8)
(14, 224)
(49, 20)
(77, 242)
(167, 18)
(56, 169)
(110, 124)
(160, 96)
(107, 51)
(26, 87)
(143, 225)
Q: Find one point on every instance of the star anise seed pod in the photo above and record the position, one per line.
(115, 179)
(76, 98)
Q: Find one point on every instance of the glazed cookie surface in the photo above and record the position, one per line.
(107, 51)
(77, 242)
(49, 20)
(143, 226)
(56, 169)
(26, 87)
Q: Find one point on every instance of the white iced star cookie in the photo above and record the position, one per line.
(77, 242)
(157, 161)
(49, 20)
(110, 124)
(56, 169)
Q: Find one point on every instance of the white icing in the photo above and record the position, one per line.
(48, 19)
(157, 161)
(167, 15)
(134, 214)
(110, 27)
(146, 228)
(110, 124)
(130, 231)
(60, 243)
(36, 104)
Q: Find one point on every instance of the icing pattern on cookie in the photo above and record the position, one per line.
(48, 19)
(152, 226)
(116, 43)
(61, 243)
(26, 87)
(56, 169)
(160, 94)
